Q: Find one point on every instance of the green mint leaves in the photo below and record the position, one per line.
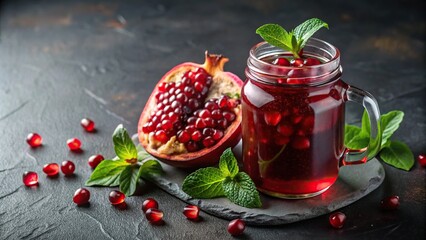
(125, 171)
(226, 181)
(294, 40)
(394, 153)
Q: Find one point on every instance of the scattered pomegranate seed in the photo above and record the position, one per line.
(149, 203)
(81, 196)
(51, 169)
(154, 215)
(88, 124)
(67, 167)
(390, 203)
(422, 160)
(95, 160)
(191, 212)
(30, 179)
(74, 144)
(236, 227)
(116, 197)
(34, 140)
(298, 62)
(337, 219)
(272, 118)
(281, 62)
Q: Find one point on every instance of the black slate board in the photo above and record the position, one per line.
(354, 182)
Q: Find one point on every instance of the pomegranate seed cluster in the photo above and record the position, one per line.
(182, 111)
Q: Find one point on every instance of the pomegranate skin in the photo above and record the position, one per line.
(206, 156)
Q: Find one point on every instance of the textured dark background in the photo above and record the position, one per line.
(64, 60)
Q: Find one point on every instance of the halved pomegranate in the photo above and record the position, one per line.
(193, 114)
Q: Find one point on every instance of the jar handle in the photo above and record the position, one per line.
(351, 156)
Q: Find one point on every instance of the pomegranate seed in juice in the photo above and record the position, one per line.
(281, 61)
(88, 124)
(34, 140)
(236, 227)
(30, 179)
(81, 196)
(95, 160)
(116, 197)
(191, 212)
(337, 219)
(51, 169)
(67, 167)
(390, 203)
(74, 144)
(154, 215)
(149, 203)
(272, 118)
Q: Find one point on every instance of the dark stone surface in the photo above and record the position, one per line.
(64, 60)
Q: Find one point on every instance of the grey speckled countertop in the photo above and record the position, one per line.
(63, 60)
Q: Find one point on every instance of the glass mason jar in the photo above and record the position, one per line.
(293, 121)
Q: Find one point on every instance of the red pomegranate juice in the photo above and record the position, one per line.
(293, 135)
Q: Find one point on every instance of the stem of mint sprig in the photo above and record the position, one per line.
(394, 153)
(294, 40)
(127, 168)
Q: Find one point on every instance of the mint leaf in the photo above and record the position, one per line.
(242, 191)
(399, 155)
(204, 183)
(123, 145)
(107, 173)
(306, 29)
(228, 163)
(390, 123)
(365, 124)
(292, 41)
(150, 168)
(354, 139)
(129, 180)
(142, 155)
(275, 35)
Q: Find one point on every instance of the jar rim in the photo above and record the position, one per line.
(316, 74)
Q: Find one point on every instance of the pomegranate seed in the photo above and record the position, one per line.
(296, 119)
(229, 116)
(193, 103)
(167, 109)
(51, 169)
(149, 203)
(311, 62)
(88, 124)
(189, 91)
(200, 77)
(191, 146)
(216, 114)
(422, 160)
(209, 122)
(285, 130)
(183, 136)
(222, 102)
(211, 106)
(300, 143)
(281, 62)
(191, 120)
(182, 98)
(191, 212)
(198, 86)
(173, 117)
(217, 134)
(200, 123)
(166, 125)
(30, 179)
(232, 103)
(272, 118)
(176, 104)
(154, 215)
(222, 123)
(196, 136)
(74, 144)
(34, 140)
(161, 136)
(81, 196)
(148, 127)
(208, 141)
(307, 124)
(297, 62)
(236, 227)
(337, 219)
(390, 203)
(116, 197)
(95, 160)
(208, 132)
(204, 113)
(67, 167)
(190, 129)
(162, 86)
